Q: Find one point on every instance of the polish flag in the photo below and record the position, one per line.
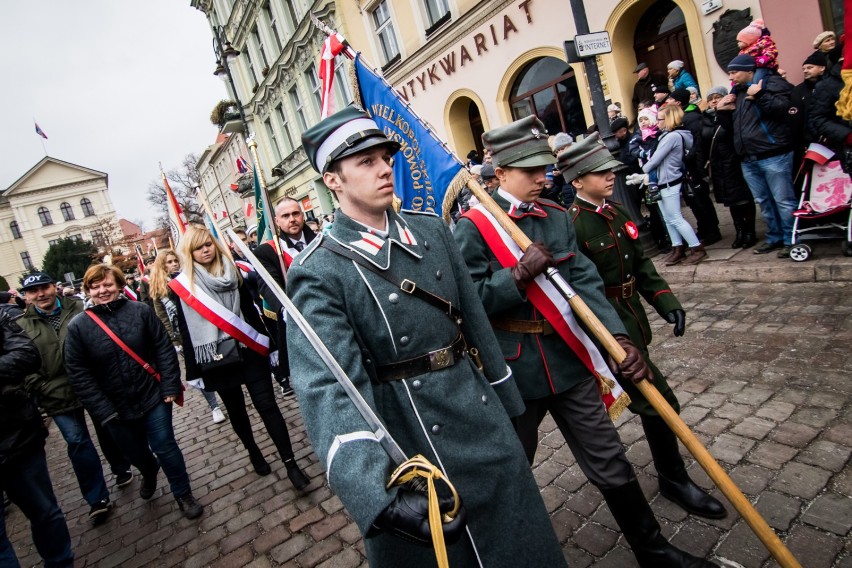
(331, 47)
(818, 153)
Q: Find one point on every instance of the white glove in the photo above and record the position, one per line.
(196, 383)
(273, 358)
(636, 179)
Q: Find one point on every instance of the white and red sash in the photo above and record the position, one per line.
(219, 315)
(555, 308)
(130, 293)
(244, 267)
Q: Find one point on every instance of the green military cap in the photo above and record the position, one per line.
(588, 155)
(520, 144)
(342, 134)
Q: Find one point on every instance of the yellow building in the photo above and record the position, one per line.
(468, 66)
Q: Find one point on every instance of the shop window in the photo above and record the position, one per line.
(16, 230)
(67, 212)
(44, 216)
(385, 32)
(86, 204)
(547, 88)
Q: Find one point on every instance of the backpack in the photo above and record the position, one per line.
(687, 188)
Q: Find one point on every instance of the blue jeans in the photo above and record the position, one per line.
(26, 481)
(83, 455)
(153, 432)
(679, 230)
(771, 183)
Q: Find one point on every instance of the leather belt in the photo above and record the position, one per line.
(672, 183)
(432, 361)
(539, 327)
(623, 291)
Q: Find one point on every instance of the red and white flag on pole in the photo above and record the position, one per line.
(177, 220)
(331, 47)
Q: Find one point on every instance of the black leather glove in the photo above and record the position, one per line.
(633, 367)
(536, 260)
(678, 318)
(407, 517)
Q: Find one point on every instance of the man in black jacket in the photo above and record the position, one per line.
(23, 464)
(823, 122)
(758, 115)
(295, 236)
(812, 70)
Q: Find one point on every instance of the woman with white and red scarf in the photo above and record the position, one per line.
(215, 312)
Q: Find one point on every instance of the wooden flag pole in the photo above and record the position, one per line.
(722, 480)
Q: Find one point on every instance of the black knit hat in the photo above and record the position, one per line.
(742, 62)
(816, 58)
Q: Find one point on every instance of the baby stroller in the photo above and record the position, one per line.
(825, 208)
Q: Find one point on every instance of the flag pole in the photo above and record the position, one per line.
(209, 212)
(267, 208)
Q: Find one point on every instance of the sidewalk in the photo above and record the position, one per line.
(724, 264)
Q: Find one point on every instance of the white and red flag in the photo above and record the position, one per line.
(332, 46)
(177, 220)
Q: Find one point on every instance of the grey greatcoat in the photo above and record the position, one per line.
(451, 416)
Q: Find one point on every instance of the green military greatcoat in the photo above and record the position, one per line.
(609, 238)
(453, 416)
(543, 365)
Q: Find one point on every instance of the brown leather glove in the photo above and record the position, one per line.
(634, 366)
(536, 260)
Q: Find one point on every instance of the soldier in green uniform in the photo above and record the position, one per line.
(410, 360)
(607, 236)
(551, 372)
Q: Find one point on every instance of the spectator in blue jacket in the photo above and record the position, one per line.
(680, 77)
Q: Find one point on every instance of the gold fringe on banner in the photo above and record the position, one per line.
(844, 103)
(459, 181)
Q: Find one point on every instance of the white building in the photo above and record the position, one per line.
(53, 200)
(220, 180)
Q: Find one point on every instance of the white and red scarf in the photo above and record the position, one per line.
(555, 308)
(220, 316)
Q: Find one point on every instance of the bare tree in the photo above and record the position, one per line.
(182, 180)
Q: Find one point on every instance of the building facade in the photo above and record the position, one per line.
(467, 66)
(276, 81)
(224, 187)
(53, 200)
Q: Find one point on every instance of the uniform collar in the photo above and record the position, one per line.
(370, 244)
(515, 203)
(605, 209)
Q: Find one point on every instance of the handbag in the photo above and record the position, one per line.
(227, 353)
(126, 348)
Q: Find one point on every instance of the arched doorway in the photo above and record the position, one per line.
(547, 87)
(476, 128)
(661, 37)
(465, 123)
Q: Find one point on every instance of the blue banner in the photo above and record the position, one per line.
(423, 168)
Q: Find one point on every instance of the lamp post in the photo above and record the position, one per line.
(225, 55)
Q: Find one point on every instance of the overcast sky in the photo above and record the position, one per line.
(117, 86)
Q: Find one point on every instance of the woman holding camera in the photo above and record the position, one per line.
(225, 344)
(667, 162)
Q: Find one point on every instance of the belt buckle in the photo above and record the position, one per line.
(408, 286)
(627, 289)
(441, 358)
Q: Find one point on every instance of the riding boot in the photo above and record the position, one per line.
(676, 256)
(738, 240)
(695, 255)
(675, 484)
(642, 531)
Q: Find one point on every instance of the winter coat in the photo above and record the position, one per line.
(683, 80)
(761, 127)
(764, 51)
(108, 381)
(667, 159)
(227, 375)
(823, 122)
(50, 387)
(21, 426)
(723, 165)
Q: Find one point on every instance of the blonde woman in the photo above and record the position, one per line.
(667, 162)
(225, 344)
(167, 266)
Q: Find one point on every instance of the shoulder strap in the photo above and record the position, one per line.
(123, 345)
(407, 286)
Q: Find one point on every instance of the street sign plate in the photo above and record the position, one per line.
(589, 45)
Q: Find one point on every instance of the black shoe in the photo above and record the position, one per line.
(784, 252)
(261, 466)
(149, 485)
(190, 508)
(767, 247)
(123, 480)
(285, 389)
(297, 478)
(691, 498)
(99, 511)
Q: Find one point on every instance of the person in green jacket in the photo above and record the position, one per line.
(557, 371)
(412, 361)
(608, 237)
(46, 322)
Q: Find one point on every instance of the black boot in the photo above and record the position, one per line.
(738, 240)
(749, 240)
(642, 531)
(675, 484)
(296, 476)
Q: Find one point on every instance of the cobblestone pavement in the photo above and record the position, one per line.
(762, 374)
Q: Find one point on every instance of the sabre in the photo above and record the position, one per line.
(722, 480)
(385, 439)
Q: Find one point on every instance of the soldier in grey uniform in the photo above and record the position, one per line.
(410, 358)
(549, 373)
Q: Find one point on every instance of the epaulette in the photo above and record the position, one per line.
(574, 212)
(312, 246)
(412, 211)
